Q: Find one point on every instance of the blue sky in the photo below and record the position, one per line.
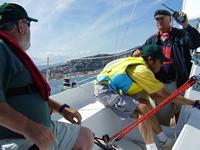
(69, 29)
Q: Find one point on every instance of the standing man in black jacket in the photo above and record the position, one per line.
(176, 44)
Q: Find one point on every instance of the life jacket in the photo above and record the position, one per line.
(117, 79)
(39, 81)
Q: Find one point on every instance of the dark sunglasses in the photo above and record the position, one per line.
(159, 18)
(27, 22)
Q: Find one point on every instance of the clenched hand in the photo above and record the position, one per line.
(137, 53)
(72, 115)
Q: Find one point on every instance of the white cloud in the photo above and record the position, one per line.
(70, 29)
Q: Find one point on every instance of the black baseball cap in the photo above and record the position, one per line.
(10, 12)
(154, 51)
(161, 12)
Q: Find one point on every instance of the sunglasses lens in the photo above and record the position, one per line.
(159, 18)
(28, 23)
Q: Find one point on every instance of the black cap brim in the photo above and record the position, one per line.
(32, 19)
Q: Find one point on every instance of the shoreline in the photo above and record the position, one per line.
(73, 75)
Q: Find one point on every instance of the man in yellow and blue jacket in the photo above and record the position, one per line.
(124, 85)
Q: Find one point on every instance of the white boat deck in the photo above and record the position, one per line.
(95, 116)
(102, 120)
(189, 138)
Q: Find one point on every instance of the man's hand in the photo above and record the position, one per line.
(185, 23)
(39, 135)
(197, 104)
(69, 114)
(137, 53)
(72, 115)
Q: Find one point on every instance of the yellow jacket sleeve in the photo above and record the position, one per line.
(145, 78)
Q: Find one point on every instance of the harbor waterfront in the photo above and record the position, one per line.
(57, 85)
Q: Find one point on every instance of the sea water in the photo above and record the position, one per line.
(57, 85)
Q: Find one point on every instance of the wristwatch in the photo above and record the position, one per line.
(62, 107)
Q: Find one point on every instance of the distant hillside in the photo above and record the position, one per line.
(84, 64)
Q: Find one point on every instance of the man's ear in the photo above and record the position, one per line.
(20, 26)
(150, 60)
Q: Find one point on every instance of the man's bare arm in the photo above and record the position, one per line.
(163, 93)
(17, 122)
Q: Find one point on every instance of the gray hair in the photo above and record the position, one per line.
(7, 26)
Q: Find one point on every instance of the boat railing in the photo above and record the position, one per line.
(196, 57)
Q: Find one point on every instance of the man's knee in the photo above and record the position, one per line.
(85, 139)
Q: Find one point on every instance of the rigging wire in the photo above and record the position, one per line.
(119, 24)
(127, 28)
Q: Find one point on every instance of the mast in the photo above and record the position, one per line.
(47, 71)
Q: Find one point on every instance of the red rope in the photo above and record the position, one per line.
(179, 91)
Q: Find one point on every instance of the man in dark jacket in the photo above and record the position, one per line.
(176, 44)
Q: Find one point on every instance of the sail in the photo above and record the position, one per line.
(191, 8)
